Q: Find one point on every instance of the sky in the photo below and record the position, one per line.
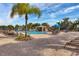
(51, 13)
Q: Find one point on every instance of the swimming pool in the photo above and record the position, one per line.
(36, 32)
(32, 32)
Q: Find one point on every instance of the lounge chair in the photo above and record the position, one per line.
(73, 43)
(2, 35)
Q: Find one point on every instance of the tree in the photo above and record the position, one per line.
(25, 9)
(30, 25)
(76, 25)
(23, 27)
(66, 24)
(10, 27)
(35, 25)
(17, 27)
(3, 27)
(45, 24)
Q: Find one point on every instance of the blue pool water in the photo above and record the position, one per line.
(36, 32)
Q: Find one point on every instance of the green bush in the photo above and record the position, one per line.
(23, 38)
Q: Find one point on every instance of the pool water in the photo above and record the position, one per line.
(33, 32)
(36, 32)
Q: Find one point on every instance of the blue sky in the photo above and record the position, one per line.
(51, 13)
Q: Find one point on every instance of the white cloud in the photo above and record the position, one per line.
(66, 10)
(70, 9)
(58, 5)
(52, 15)
(8, 20)
(5, 22)
(5, 15)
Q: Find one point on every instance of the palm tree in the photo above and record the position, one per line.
(25, 9)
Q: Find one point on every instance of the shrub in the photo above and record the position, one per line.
(23, 38)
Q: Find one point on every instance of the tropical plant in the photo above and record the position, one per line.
(10, 27)
(30, 26)
(3, 27)
(25, 9)
(35, 25)
(17, 27)
(66, 24)
(23, 27)
(76, 25)
(45, 24)
(22, 38)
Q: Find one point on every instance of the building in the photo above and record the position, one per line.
(42, 28)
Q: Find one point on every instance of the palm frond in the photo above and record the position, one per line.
(14, 11)
(35, 10)
(23, 9)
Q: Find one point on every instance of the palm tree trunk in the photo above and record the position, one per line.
(26, 18)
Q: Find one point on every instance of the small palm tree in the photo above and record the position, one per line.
(24, 9)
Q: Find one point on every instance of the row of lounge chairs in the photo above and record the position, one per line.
(10, 33)
(73, 43)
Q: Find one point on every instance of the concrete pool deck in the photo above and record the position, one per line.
(6, 40)
(40, 47)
